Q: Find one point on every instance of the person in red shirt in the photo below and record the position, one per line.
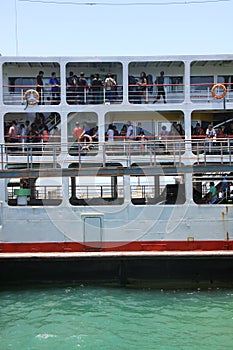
(45, 134)
(78, 132)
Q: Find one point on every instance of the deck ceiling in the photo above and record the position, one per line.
(38, 65)
(212, 63)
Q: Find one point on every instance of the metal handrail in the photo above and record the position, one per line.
(152, 150)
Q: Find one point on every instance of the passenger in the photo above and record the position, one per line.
(55, 89)
(86, 128)
(56, 137)
(78, 132)
(39, 120)
(198, 131)
(35, 137)
(179, 129)
(71, 85)
(110, 133)
(40, 87)
(160, 87)
(133, 90)
(139, 129)
(116, 133)
(95, 134)
(220, 132)
(229, 130)
(27, 129)
(163, 133)
(97, 87)
(213, 193)
(211, 136)
(13, 133)
(143, 85)
(45, 134)
(123, 130)
(142, 139)
(129, 132)
(210, 131)
(82, 87)
(109, 85)
(22, 134)
(173, 130)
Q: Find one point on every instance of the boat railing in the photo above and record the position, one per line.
(38, 192)
(15, 95)
(203, 92)
(152, 150)
(97, 191)
(175, 93)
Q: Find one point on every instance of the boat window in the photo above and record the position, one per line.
(43, 130)
(34, 191)
(94, 190)
(94, 83)
(21, 77)
(160, 190)
(213, 188)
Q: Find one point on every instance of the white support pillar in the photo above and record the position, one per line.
(125, 82)
(187, 81)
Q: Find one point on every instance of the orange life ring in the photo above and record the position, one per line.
(219, 86)
(86, 136)
(31, 96)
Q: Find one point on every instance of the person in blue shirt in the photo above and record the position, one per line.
(55, 89)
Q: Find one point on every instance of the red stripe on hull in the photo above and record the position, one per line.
(115, 246)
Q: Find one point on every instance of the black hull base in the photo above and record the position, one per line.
(166, 271)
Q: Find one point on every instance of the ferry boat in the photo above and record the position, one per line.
(116, 157)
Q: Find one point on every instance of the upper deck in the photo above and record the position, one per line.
(188, 83)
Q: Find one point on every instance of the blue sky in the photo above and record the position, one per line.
(45, 29)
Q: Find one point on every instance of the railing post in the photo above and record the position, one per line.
(54, 156)
(208, 94)
(22, 94)
(2, 159)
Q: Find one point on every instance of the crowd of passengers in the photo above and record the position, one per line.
(212, 132)
(32, 132)
(77, 88)
(38, 131)
(81, 90)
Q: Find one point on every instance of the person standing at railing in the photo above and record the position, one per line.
(96, 88)
(139, 129)
(40, 87)
(110, 133)
(143, 85)
(27, 130)
(130, 130)
(109, 85)
(22, 134)
(55, 88)
(13, 133)
(198, 131)
(78, 132)
(82, 89)
(211, 136)
(71, 84)
(45, 134)
(160, 86)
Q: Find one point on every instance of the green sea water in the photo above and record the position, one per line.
(104, 318)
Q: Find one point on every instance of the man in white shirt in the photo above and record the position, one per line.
(129, 129)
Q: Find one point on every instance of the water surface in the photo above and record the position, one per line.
(93, 318)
